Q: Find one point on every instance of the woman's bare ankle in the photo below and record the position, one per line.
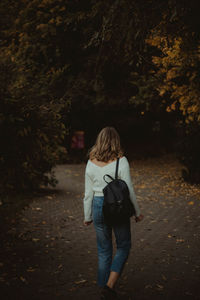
(112, 279)
(110, 285)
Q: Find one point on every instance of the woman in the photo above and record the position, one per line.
(102, 160)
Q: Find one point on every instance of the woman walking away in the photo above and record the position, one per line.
(102, 160)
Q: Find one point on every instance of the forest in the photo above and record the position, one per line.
(80, 65)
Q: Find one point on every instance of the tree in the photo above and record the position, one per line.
(177, 62)
(32, 125)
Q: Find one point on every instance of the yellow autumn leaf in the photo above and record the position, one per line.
(191, 203)
(180, 240)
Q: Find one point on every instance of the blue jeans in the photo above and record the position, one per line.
(104, 243)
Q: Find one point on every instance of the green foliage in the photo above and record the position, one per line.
(33, 103)
(31, 132)
(89, 53)
(177, 77)
(188, 150)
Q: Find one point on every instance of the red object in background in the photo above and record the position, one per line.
(78, 140)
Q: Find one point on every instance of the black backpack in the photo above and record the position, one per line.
(117, 206)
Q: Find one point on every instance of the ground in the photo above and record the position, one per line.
(47, 253)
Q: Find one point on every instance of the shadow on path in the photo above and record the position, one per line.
(47, 253)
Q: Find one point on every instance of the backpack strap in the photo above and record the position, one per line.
(108, 176)
(116, 170)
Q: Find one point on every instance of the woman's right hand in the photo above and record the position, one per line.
(139, 218)
(86, 223)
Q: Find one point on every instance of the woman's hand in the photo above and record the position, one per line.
(86, 223)
(139, 218)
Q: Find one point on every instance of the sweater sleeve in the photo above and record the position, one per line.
(126, 176)
(87, 201)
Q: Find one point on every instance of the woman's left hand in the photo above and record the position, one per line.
(139, 218)
(86, 223)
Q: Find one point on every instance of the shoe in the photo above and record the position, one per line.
(108, 293)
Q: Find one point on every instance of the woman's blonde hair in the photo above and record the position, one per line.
(107, 146)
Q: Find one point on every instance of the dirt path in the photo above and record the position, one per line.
(46, 252)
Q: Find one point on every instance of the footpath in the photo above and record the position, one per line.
(47, 254)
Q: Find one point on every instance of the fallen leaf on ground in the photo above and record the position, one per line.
(36, 208)
(148, 286)
(80, 281)
(191, 203)
(30, 269)
(180, 240)
(159, 286)
(35, 240)
(23, 279)
(163, 277)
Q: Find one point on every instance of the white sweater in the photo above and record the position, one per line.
(94, 183)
